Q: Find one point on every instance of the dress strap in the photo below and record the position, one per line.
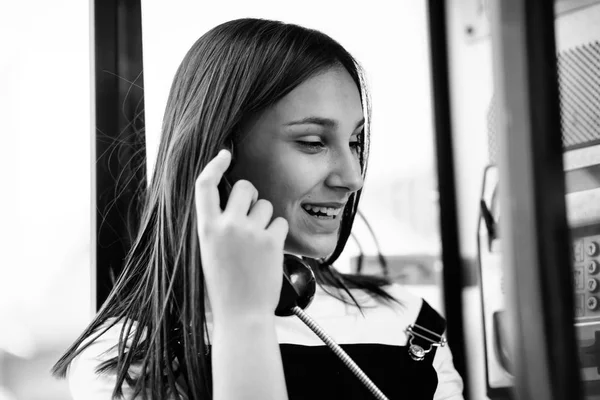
(425, 335)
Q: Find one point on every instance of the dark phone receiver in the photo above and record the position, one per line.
(298, 288)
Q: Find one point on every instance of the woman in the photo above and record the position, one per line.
(291, 105)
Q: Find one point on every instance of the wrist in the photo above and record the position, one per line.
(243, 320)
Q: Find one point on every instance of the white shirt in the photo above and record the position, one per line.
(344, 323)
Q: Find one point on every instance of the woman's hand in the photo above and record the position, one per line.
(241, 248)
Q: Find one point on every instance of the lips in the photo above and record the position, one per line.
(322, 211)
(323, 218)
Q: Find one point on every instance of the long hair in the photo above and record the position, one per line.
(234, 71)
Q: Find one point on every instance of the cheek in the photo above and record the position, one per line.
(286, 189)
(285, 181)
(285, 192)
(273, 182)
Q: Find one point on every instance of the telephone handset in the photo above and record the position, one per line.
(299, 286)
(297, 292)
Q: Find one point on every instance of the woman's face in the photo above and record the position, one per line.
(302, 155)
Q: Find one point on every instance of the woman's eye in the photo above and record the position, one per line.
(313, 146)
(356, 145)
(317, 146)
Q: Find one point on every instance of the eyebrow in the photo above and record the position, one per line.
(324, 122)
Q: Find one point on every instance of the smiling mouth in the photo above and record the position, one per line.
(324, 213)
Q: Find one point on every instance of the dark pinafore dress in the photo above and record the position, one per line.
(315, 372)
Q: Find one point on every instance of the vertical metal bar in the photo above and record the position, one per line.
(452, 265)
(93, 192)
(533, 224)
(120, 152)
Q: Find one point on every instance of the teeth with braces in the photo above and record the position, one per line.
(330, 211)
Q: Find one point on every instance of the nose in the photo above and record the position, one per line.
(345, 172)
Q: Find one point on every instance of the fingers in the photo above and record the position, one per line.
(243, 199)
(207, 193)
(243, 195)
(279, 228)
(261, 213)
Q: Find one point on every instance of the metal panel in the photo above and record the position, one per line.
(476, 19)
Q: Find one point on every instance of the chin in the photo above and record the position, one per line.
(311, 248)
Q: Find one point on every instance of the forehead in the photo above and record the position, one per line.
(331, 94)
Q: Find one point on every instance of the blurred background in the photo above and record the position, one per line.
(45, 202)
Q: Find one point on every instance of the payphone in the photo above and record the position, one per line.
(578, 46)
(582, 178)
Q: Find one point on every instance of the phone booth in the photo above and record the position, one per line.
(527, 145)
(578, 52)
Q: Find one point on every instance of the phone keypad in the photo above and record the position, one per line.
(592, 249)
(592, 267)
(586, 276)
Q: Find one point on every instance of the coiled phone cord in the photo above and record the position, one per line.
(339, 352)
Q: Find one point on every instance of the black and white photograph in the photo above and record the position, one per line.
(269, 200)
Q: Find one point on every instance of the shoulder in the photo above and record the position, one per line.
(450, 384)
(405, 297)
(376, 322)
(407, 302)
(84, 382)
